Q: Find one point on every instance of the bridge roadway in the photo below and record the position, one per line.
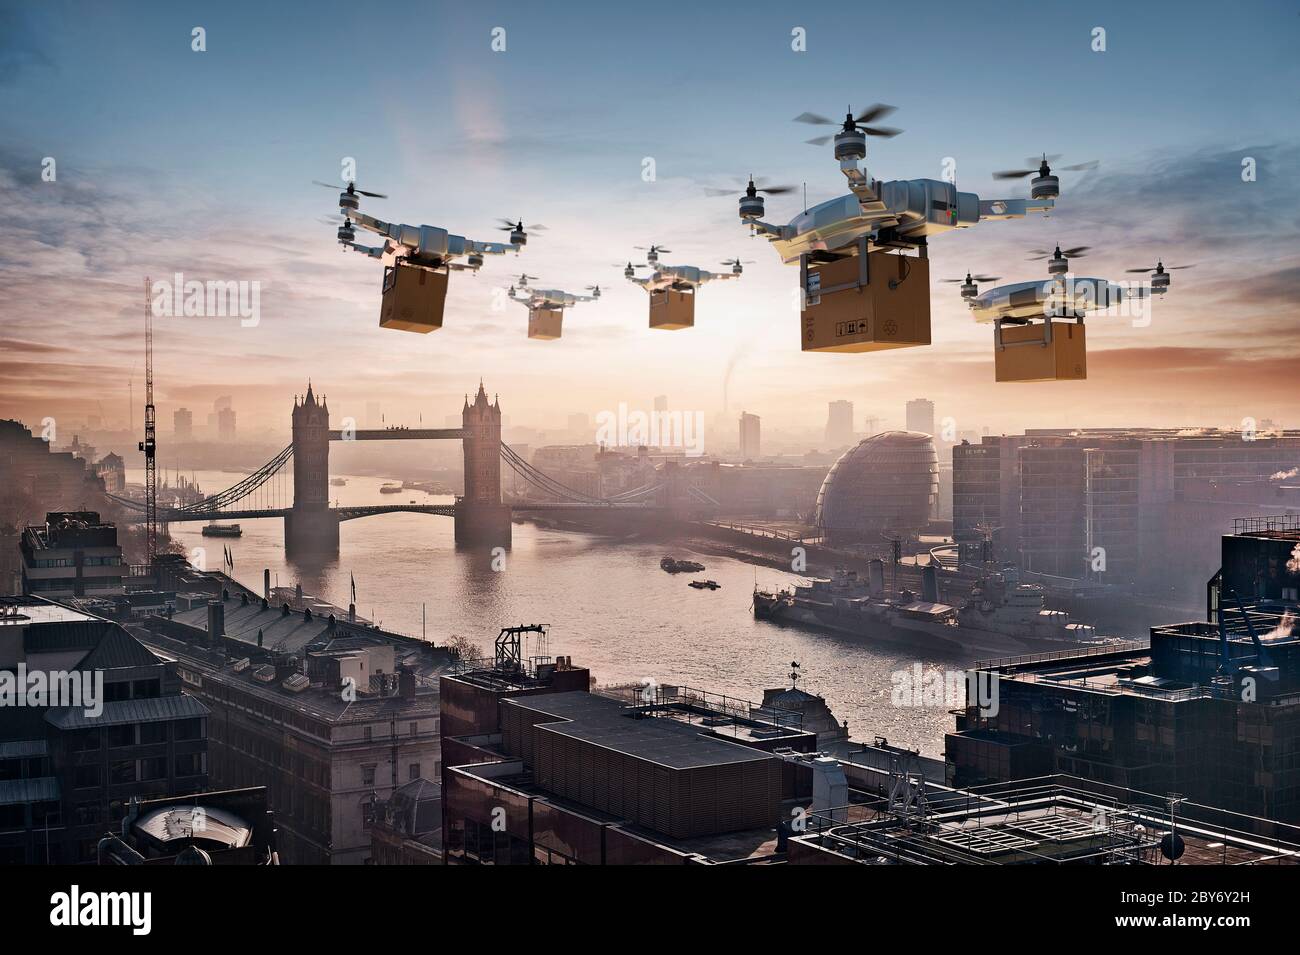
(369, 510)
(401, 434)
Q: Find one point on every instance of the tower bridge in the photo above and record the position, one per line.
(482, 517)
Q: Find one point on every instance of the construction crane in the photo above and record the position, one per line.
(150, 443)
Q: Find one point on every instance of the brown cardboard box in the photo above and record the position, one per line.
(867, 317)
(1029, 357)
(545, 322)
(671, 309)
(413, 299)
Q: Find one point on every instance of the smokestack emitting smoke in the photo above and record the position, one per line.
(1285, 475)
(1293, 565)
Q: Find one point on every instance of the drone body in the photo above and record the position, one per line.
(1038, 330)
(843, 310)
(546, 307)
(411, 301)
(672, 288)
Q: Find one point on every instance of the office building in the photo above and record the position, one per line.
(331, 716)
(72, 760)
(183, 424)
(750, 437)
(920, 416)
(839, 424)
(73, 554)
(1210, 709)
(1116, 507)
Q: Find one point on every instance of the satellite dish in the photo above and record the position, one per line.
(1172, 846)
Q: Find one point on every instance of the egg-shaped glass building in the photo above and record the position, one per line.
(885, 485)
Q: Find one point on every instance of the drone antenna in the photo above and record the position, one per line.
(805, 196)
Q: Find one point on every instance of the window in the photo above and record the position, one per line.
(188, 729)
(189, 764)
(368, 775)
(415, 728)
(154, 768)
(414, 771)
(122, 771)
(121, 735)
(368, 734)
(86, 777)
(85, 741)
(153, 732)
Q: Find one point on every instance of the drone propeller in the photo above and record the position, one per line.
(524, 278)
(973, 278)
(652, 248)
(592, 288)
(737, 262)
(1077, 252)
(1162, 267)
(752, 184)
(517, 225)
(1044, 167)
(851, 122)
(351, 188)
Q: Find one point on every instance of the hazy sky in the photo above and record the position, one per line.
(200, 162)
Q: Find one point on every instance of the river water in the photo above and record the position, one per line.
(608, 604)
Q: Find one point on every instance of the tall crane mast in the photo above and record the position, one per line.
(150, 443)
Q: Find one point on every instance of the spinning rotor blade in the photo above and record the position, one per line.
(873, 113)
(350, 187)
(888, 132)
(1167, 268)
(1083, 166)
(815, 120)
(819, 140)
(1015, 173)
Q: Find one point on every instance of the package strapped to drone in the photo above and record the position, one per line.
(413, 298)
(1045, 351)
(866, 302)
(672, 309)
(545, 323)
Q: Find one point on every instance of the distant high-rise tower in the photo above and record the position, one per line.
(839, 424)
(183, 424)
(750, 437)
(920, 415)
(226, 424)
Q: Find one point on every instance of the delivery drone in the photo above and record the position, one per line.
(546, 306)
(422, 246)
(900, 214)
(1029, 341)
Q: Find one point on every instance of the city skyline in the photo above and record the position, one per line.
(229, 199)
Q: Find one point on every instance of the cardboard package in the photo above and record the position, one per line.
(545, 323)
(841, 314)
(1047, 351)
(671, 309)
(413, 299)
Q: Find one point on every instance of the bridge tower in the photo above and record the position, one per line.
(310, 528)
(481, 517)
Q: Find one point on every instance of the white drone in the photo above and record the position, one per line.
(550, 298)
(1062, 296)
(677, 277)
(424, 246)
(899, 214)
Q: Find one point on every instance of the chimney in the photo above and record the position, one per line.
(406, 682)
(266, 583)
(297, 594)
(216, 621)
(352, 613)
